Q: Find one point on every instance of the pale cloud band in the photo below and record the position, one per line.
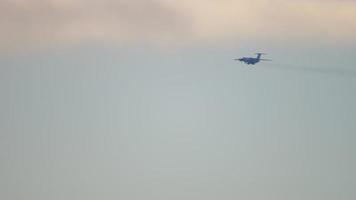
(27, 23)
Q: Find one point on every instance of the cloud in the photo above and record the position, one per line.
(43, 22)
(303, 19)
(28, 23)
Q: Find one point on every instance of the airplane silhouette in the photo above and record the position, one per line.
(252, 61)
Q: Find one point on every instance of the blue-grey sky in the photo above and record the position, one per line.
(166, 113)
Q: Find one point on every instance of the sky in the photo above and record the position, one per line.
(143, 100)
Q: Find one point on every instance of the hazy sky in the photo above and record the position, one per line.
(142, 100)
(61, 22)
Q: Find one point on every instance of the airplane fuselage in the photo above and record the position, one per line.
(249, 61)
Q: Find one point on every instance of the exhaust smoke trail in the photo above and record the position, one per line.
(324, 70)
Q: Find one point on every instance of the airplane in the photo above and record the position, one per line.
(252, 61)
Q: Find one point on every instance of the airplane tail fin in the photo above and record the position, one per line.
(259, 55)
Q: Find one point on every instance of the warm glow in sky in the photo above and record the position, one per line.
(47, 22)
